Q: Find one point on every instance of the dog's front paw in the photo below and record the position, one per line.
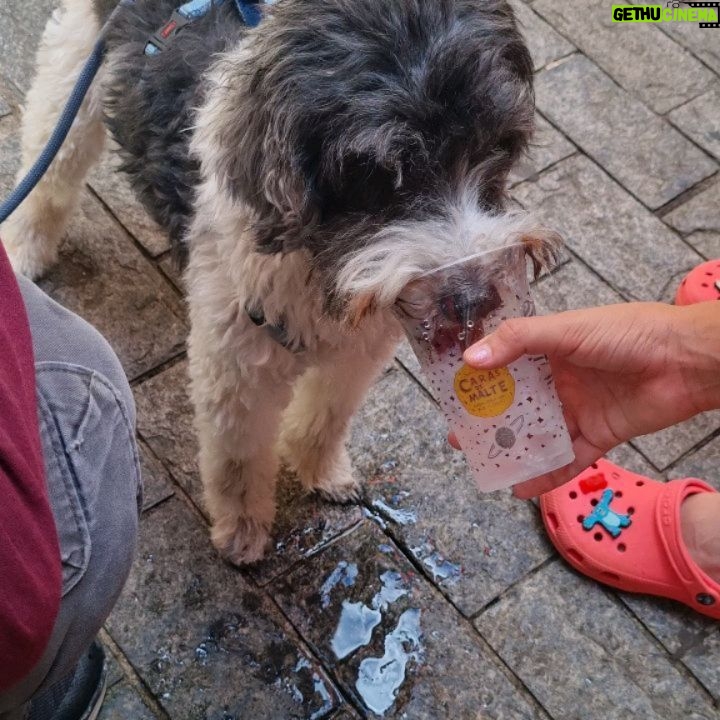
(242, 541)
(31, 253)
(335, 482)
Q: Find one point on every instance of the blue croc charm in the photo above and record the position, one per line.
(602, 514)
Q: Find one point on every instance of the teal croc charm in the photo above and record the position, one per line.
(602, 514)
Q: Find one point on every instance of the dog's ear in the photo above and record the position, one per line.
(254, 148)
(360, 307)
(543, 247)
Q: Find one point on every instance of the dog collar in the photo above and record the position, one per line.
(278, 332)
(248, 10)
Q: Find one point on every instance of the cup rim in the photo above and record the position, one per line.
(467, 259)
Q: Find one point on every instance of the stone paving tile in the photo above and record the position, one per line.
(304, 523)
(170, 267)
(101, 276)
(123, 703)
(579, 653)
(472, 546)
(676, 626)
(613, 233)
(548, 147)
(700, 120)
(544, 42)
(32, 16)
(698, 220)
(5, 108)
(157, 485)
(703, 43)
(666, 446)
(704, 463)
(203, 640)
(114, 672)
(9, 154)
(642, 151)
(164, 421)
(362, 578)
(405, 355)
(17, 50)
(630, 54)
(114, 189)
(570, 287)
(704, 662)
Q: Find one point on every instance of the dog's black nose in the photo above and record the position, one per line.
(470, 303)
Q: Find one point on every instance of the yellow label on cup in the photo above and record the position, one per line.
(485, 393)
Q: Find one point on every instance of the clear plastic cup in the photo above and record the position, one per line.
(509, 421)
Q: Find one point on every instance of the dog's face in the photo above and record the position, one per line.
(378, 136)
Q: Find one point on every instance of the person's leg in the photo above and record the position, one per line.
(87, 423)
(700, 523)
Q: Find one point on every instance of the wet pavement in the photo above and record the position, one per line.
(425, 600)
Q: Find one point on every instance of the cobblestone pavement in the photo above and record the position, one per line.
(463, 590)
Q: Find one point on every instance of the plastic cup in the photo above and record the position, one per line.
(509, 421)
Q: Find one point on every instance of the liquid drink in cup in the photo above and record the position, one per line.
(508, 421)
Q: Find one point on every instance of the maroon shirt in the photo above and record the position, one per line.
(30, 568)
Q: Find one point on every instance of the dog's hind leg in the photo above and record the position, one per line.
(316, 424)
(32, 234)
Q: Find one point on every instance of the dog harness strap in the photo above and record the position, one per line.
(247, 9)
(278, 332)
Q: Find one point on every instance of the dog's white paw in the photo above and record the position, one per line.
(31, 253)
(243, 541)
(335, 482)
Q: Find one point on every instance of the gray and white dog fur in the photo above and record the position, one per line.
(307, 169)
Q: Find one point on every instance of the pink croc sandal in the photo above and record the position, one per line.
(623, 530)
(700, 285)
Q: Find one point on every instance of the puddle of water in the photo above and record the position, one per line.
(379, 679)
(392, 590)
(397, 515)
(443, 571)
(345, 573)
(354, 629)
(375, 518)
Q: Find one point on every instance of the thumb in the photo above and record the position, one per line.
(542, 335)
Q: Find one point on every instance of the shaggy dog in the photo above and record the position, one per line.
(307, 170)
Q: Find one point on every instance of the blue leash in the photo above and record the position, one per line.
(250, 14)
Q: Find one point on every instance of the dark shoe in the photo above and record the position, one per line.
(77, 697)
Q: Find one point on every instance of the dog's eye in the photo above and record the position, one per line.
(361, 185)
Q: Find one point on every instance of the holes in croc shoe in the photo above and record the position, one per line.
(580, 518)
(631, 510)
(622, 547)
(597, 537)
(639, 483)
(594, 502)
(573, 494)
(594, 466)
(618, 494)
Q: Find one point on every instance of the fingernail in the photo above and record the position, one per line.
(478, 355)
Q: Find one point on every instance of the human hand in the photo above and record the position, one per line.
(620, 371)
